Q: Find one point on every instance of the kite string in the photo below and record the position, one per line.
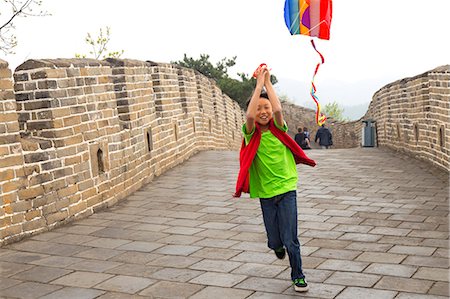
(320, 117)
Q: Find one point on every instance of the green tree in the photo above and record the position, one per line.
(334, 110)
(237, 89)
(10, 10)
(99, 45)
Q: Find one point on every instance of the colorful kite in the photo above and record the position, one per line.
(312, 18)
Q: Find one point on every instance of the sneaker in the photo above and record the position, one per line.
(280, 253)
(300, 285)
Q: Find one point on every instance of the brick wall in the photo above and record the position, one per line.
(413, 116)
(77, 135)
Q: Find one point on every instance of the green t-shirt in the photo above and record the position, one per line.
(273, 171)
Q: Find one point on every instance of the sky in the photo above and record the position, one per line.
(372, 43)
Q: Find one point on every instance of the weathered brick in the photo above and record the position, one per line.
(30, 193)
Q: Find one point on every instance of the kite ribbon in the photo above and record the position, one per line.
(320, 117)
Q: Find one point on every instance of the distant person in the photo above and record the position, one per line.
(302, 139)
(268, 171)
(307, 138)
(324, 136)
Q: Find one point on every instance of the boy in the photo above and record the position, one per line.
(268, 171)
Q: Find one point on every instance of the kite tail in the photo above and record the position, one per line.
(320, 117)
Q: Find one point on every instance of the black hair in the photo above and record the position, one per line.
(262, 95)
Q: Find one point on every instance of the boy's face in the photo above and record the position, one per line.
(264, 112)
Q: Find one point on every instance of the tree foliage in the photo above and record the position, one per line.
(237, 89)
(99, 45)
(334, 110)
(10, 10)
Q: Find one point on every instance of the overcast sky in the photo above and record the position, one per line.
(373, 42)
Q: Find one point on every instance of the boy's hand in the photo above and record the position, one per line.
(260, 76)
(266, 76)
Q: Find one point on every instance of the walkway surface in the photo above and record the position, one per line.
(372, 224)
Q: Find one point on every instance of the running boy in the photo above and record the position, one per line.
(268, 171)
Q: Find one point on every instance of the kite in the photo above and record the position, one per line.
(311, 18)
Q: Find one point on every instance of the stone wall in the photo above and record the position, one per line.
(78, 135)
(413, 116)
(345, 134)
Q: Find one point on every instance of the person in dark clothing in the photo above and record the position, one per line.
(324, 136)
(302, 139)
(307, 138)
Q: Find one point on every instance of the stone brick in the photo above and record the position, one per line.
(30, 193)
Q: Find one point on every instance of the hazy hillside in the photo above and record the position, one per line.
(353, 98)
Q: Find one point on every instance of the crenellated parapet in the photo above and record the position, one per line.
(78, 135)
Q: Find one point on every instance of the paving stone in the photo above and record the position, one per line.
(98, 253)
(93, 265)
(8, 282)
(115, 295)
(391, 269)
(217, 292)
(165, 289)
(436, 274)
(434, 262)
(174, 261)
(9, 269)
(255, 257)
(179, 239)
(336, 253)
(140, 246)
(259, 270)
(178, 249)
(441, 289)
(69, 292)
(355, 292)
(404, 284)
(73, 239)
(419, 296)
(343, 265)
(264, 284)
(29, 290)
(175, 274)
(134, 270)
(216, 253)
(353, 279)
(57, 261)
(106, 243)
(369, 246)
(22, 257)
(326, 243)
(216, 243)
(358, 237)
(215, 265)
(251, 246)
(125, 284)
(41, 274)
(381, 257)
(413, 250)
(82, 279)
(218, 279)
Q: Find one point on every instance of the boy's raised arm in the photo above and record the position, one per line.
(252, 108)
(273, 98)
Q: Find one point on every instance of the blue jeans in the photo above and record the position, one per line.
(280, 220)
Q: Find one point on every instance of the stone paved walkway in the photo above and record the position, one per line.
(372, 225)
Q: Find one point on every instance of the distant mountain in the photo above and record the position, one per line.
(354, 98)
